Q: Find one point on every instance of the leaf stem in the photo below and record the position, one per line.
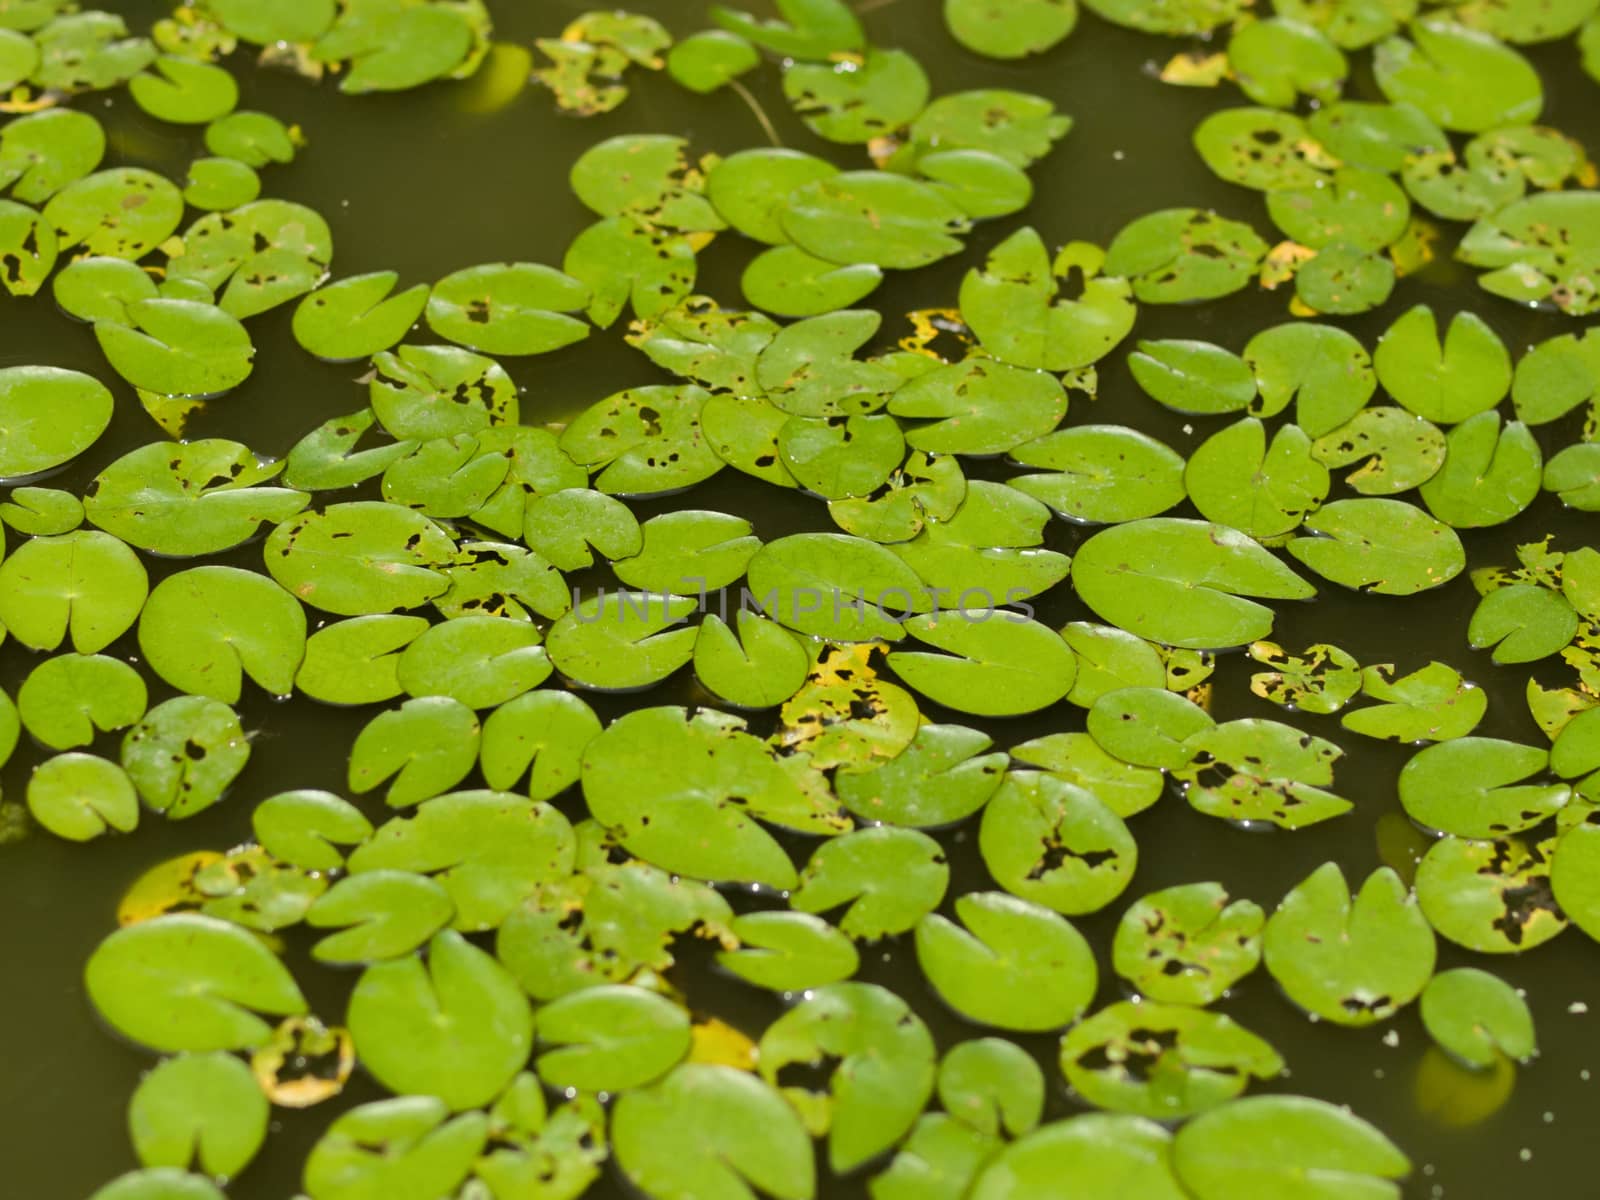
(760, 113)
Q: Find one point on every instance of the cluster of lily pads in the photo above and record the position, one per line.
(514, 876)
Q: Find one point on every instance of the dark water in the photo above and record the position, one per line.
(419, 184)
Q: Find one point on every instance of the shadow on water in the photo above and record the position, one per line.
(416, 183)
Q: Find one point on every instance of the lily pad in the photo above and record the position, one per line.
(508, 308)
(1465, 80)
(85, 583)
(184, 753)
(1188, 944)
(205, 1107)
(1477, 1017)
(1383, 546)
(1055, 844)
(1494, 897)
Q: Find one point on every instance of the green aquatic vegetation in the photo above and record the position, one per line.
(493, 536)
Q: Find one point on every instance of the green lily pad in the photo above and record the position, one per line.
(885, 1070)
(203, 629)
(189, 982)
(42, 512)
(1287, 1147)
(1010, 963)
(1397, 450)
(1431, 704)
(1005, 667)
(1183, 582)
(1477, 1017)
(991, 1083)
(393, 47)
(1235, 478)
(84, 583)
(380, 915)
(1523, 622)
(835, 586)
(788, 952)
(254, 138)
(713, 1131)
(979, 407)
(1014, 306)
(788, 282)
(1193, 377)
(1343, 279)
(647, 177)
(566, 527)
(508, 308)
(1163, 1061)
(1490, 896)
(66, 699)
(1383, 546)
(489, 850)
(357, 661)
(1148, 726)
(1572, 876)
(43, 152)
(1188, 944)
(693, 765)
(1174, 18)
(1077, 759)
(1180, 255)
(427, 746)
(265, 22)
(482, 662)
(610, 1039)
(88, 51)
(1323, 369)
(1465, 376)
(710, 59)
(178, 347)
(941, 778)
(407, 1141)
(1096, 1154)
(643, 441)
(185, 92)
(1055, 844)
(305, 828)
(357, 317)
(623, 641)
(359, 557)
(1490, 473)
(99, 288)
(855, 101)
(1322, 679)
(218, 183)
(184, 753)
(544, 730)
(888, 879)
(80, 797)
(458, 1028)
(1255, 770)
(425, 392)
(48, 417)
(1103, 474)
(1353, 962)
(1540, 250)
(1465, 80)
(838, 458)
(1275, 60)
(761, 665)
(874, 217)
(1573, 474)
(125, 212)
(1260, 148)
(1556, 376)
(1010, 31)
(751, 188)
(201, 1109)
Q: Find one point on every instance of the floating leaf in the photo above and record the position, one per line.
(406, 1141)
(357, 317)
(189, 982)
(1289, 1147)
(65, 700)
(1465, 80)
(546, 730)
(889, 878)
(1235, 478)
(84, 583)
(1183, 582)
(1383, 546)
(1055, 844)
(1467, 375)
(885, 1068)
(426, 745)
(1015, 965)
(610, 1039)
(203, 629)
(858, 100)
(788, 951)
(357, 661)
(1188, 944)
(508, 308)
(1095, 1153)
(1431, 704)
(761, 665)
(198, 1106)
(712, 1131)
(1351, 962)
(1163, 1061)
(1541, 249)
(1477, 1017)
(79, 797)
(1005, 666)
(1489, 474)
(1490, 896)
(459, 1028)
(358, 558)
(184, 753)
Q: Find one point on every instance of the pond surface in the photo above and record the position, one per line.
(417, 183)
